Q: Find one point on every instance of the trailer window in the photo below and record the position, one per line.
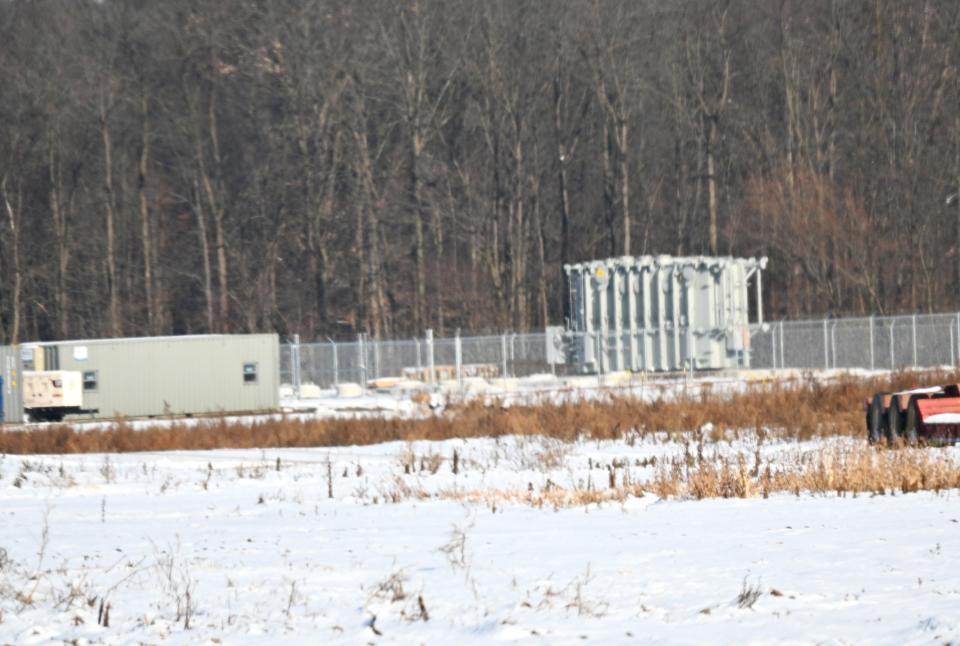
(250, 373)
(89, 380)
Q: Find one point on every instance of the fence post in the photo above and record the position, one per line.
(336, 366)
(430, 365)
(773, 348)
(951, 343)
(873, 362)
(513, 353)
(833, 343)
(458, 358)
(503, 356)
(336, 363)
(914, 340)
(295, 365)
(376, 358)
(783, 342)
(774, 360)
(893, 360)
(362, 364)
(416, 343)
(826, 347)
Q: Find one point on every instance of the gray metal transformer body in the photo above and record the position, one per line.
(659, 313)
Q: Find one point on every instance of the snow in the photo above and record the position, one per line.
(943, 418)
(268, 556)
(921, 391)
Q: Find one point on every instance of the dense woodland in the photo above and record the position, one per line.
(329, 167)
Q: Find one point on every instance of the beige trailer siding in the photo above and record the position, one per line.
(173, 375)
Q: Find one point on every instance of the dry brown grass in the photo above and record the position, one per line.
(800, 409)
(550, 497)
(840, 470)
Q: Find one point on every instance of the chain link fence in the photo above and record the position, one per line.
(877, 343)
(329, 363)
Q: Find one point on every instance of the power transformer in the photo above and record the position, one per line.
(658, 313)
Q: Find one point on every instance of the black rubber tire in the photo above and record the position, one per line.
(911, 423)
(876, 420)
(894, 422)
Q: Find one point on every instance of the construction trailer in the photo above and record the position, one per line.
(11, 385)
(174, 375)
(658, 313)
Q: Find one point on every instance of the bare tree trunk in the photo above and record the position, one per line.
(789, 96)
(381, 292)
(696, 204)
(218, 220)
(956, 196)
(682, 207)
(372, 264)
(215, 198)
(624, 152)
(322, 277)
(316, 314)
(712, 206)
(563, 156)
(436, 229)
(13, 220)
(832, 124)
(60, 228)
(494, 252)
(419, 246)
(205, 252)
(541, 257)
(423, 114)
(358, 279)
(711, 103)
(618, 92)
(608, 191)
(679, 212)
(318, 213)
(113, 286)
(517, 237)
(495, 270)
(567, 139)
(145, 225)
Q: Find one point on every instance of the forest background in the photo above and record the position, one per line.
(329, 167)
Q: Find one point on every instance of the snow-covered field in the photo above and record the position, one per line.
(250, 547)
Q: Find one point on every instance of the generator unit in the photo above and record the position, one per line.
(50, 395)
(658, 313)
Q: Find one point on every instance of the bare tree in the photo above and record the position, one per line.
(416, 49)
(709, 67)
